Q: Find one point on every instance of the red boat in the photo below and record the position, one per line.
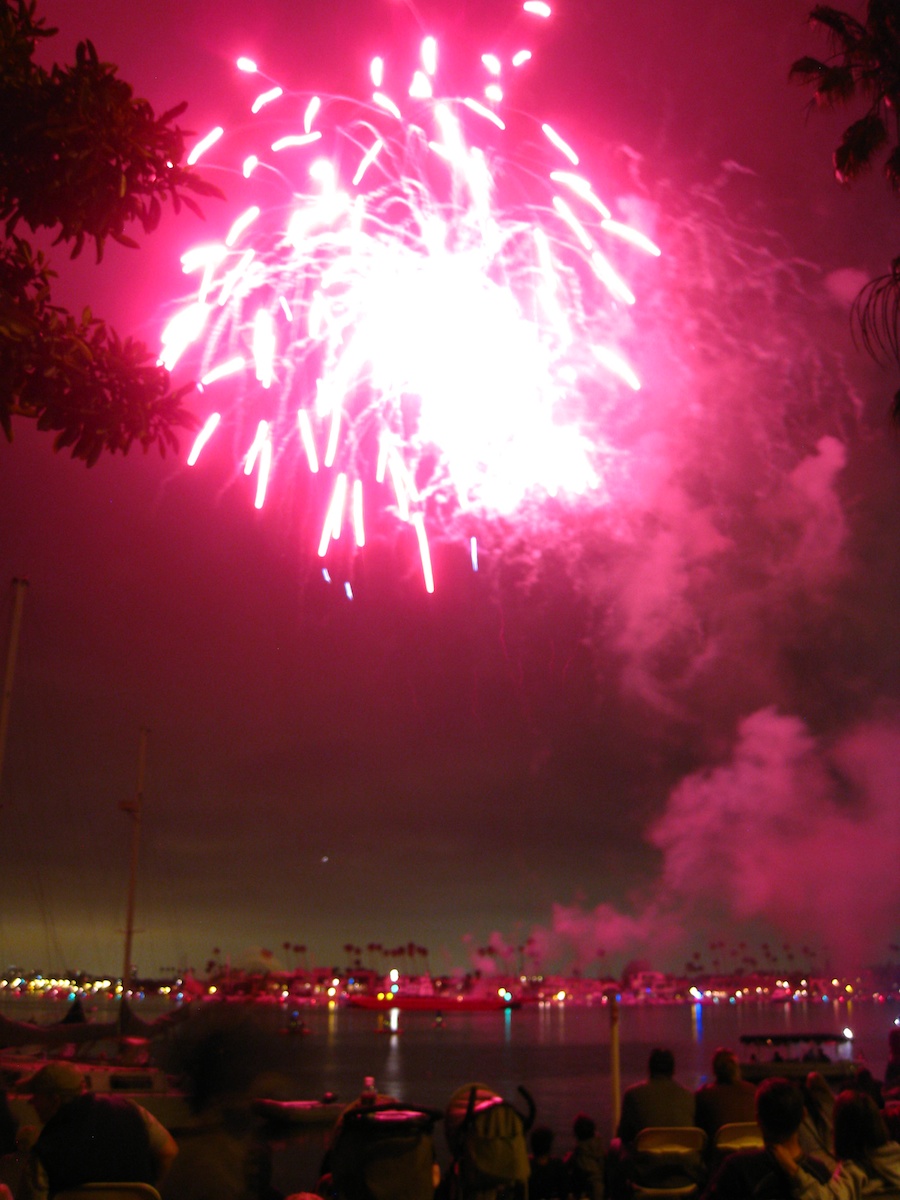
(454, 1002)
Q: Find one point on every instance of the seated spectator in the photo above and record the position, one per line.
(549, 1177)
(726, 1101)
(817, 1126)
(585, 1162)
(90, 1139)
(759, 1174)
(659, 1101)
(892, 1070)
(7, 1127)
(865, 1081)
(869, 1162)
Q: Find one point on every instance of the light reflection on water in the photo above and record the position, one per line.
(697, 1014)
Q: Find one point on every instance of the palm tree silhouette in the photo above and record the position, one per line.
(865, 65)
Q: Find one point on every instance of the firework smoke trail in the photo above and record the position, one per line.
(409, 321)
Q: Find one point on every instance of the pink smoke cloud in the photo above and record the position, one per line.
(797, 832)
(792, 833)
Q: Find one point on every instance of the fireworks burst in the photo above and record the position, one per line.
(427, 318)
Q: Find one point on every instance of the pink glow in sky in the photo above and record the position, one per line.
(641, 716)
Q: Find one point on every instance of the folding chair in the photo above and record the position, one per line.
(110, 1191)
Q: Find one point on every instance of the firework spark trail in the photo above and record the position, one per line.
(407, 311)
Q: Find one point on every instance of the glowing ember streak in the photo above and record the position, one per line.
(418, 523)
(234, 276)
(615, 363)
(331, 530)
(387, 104)
(368, 158)
(420, 297)
(204, 144)
(222, 372)
(359, 531)
(537, 7)
(265, 98)
(203, 437)
(296, 139)
(262, 435)
(551, 134)
(429, 56)
(265, 467)
(399, 482)
(476, 107)
(581, 187)
(264, 344)
(312, 111)
(309, 443)
(333, 434)
(572, 221)
(247, 64)
(547, 293)
(607, 275)
(627, 234)
(246, 218)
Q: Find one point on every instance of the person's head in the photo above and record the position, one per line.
(53, 1086)
(865, 1081)
(818, 1098)
(541, 1141)
(859, 1127)
(779, 1110)
(661, 1064)
(725, 1065)
(583, 1128)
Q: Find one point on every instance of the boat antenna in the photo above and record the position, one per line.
(19, 586)
(133, 809)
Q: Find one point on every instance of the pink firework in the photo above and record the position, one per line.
(425, 315)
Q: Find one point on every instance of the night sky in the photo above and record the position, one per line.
(651, 722)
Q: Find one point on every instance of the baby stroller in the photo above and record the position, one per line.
(383, 1152)
(486, 1136)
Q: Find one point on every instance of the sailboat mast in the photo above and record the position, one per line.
(133, 808)
(6, 701)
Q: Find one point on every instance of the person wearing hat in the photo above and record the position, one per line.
(88, 1138)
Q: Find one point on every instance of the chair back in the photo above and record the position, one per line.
(741, 1135)
(110, 1191)
(670, 1140)
(686, 1192)
(667, 1161)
